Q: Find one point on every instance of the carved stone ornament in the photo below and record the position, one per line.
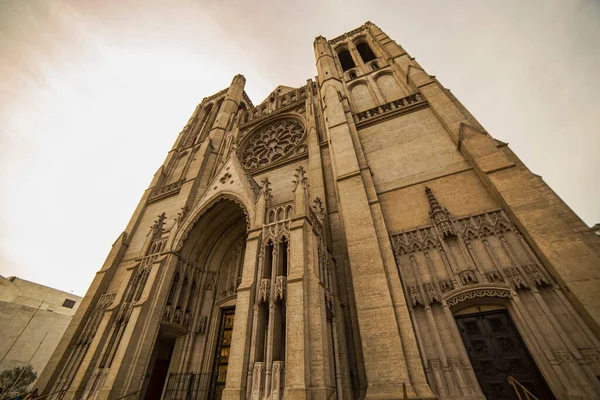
(264, 290)
(201, 325)
(271, 143)
(477, 293)
(467, 276)
(413, 292)
(157, 227)
(516, 279)
(430, 292)
(280, 286)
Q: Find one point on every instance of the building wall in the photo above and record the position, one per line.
(394, 213)
(30, 331)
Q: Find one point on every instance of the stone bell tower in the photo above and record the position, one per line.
(358, 236)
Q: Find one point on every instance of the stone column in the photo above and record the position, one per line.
(307, 373)
(235, 387)
(384, 358)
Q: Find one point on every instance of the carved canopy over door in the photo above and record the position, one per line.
(497, 352)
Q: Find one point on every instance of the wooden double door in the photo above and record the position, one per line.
(497, 351)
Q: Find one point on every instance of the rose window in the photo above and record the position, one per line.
(272, 143)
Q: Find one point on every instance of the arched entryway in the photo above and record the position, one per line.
(497, 351)
(190, 356)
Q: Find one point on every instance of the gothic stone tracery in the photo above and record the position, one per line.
(271, 143)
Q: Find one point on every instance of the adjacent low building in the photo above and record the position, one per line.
(33, 318)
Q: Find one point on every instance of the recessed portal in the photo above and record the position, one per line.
(497, 351)
(163, 351)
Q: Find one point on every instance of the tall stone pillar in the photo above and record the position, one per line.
(236, 386)
(240, 342)
(307, 364)
(384, 359)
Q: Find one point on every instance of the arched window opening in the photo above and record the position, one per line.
(283, 253)
(268, 261)
(365, 52)
(213, 113)
(346, 60)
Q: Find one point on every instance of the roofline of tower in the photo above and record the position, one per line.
(353, 32)
(222, 92)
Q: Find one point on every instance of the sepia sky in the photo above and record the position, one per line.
(93, 94)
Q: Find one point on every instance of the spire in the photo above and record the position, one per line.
(266, 190)
(439, 215)
(264, 200)
(157, 227)
(301, 196)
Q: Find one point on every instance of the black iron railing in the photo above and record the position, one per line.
(193, 386)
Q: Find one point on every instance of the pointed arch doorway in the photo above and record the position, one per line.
(497, 351)
(199, 310)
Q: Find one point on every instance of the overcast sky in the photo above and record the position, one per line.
(94, 93)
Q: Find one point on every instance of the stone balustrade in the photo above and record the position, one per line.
(166, 191)
(379, 113)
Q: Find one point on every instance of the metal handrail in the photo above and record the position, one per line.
(516, 385)
(129, 394)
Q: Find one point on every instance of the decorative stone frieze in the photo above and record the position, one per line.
(166, 191)
(477, 293)
(394, 108)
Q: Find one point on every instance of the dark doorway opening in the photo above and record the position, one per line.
(163, 350)
(497, 351)
(221, 360)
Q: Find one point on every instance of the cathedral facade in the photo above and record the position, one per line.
(360, 236)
